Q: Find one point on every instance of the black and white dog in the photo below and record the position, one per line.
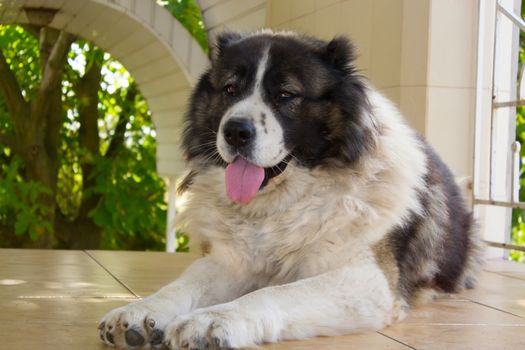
(324, 212)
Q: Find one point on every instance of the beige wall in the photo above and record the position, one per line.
(451, 81)
(242, 15)
(379, 50)
(420, 53)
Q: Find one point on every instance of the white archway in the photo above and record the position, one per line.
(159, 53)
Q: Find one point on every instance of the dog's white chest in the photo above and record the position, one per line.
(305, 237)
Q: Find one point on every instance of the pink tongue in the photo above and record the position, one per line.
(243, 180)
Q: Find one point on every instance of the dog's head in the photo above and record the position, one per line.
(271, 99)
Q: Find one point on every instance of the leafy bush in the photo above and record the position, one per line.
(189, 15)
(99, 147)
(518, 215)
(19, 206)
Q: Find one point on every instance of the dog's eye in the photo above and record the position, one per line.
(286, 95)
(230, 90)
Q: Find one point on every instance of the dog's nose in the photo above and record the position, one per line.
(239, 132)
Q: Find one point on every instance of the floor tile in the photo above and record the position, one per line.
(459, 324)
(459, 337)
(49, 324)
(499, 291)
(458, 312)
(144, 272)
(40, 273)
(54, 300)
(368, 341)
(506, 268)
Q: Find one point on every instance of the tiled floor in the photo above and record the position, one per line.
(54, 299)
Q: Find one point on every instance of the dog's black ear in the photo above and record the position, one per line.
(222, 41)
(340, 53)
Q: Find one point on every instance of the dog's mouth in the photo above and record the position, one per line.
(244, 179)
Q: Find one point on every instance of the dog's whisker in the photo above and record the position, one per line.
(214, 155)
(293, 157)
(203, 146)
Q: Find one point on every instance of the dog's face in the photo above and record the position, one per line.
(270, 99)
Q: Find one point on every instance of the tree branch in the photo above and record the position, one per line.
(16, 104)
(47, 39)
(87, 93)
(32, 29)
(128, 108)
(86, 90)
(51, 75)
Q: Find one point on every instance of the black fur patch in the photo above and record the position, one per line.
(449, 246)
(186, 182)
(322, 120)
(202, 123)
(458, 226)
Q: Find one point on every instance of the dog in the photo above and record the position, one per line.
(324, 213)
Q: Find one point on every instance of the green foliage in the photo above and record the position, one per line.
(130, 206)
(19, 207)
(518, 215)
(6, 126)
(518, 237)
(183, 242)
(132, 210)
(189, 15)
(21, 51)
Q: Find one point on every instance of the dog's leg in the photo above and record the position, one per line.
(206, 282)
(337, 302)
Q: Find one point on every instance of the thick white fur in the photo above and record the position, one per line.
(297, 261)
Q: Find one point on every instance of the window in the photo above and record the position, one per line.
(497, 154)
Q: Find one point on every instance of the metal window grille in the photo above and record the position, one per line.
(497, 170)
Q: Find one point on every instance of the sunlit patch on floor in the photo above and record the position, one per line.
(9, 282)
(94, 299)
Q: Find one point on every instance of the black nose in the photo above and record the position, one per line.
(239, 132)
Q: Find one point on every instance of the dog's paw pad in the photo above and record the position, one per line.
(136, 325)
(109, 338)
(199, 343)
(156, 337)
(133, 337)
(220, 343)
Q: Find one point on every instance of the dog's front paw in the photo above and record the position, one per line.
(212, 328)
(138, 324)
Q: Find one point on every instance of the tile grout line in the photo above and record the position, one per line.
(505, 275)
(396, 340)
(495, 308)
(111, 274)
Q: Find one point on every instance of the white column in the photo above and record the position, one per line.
(171, 238)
